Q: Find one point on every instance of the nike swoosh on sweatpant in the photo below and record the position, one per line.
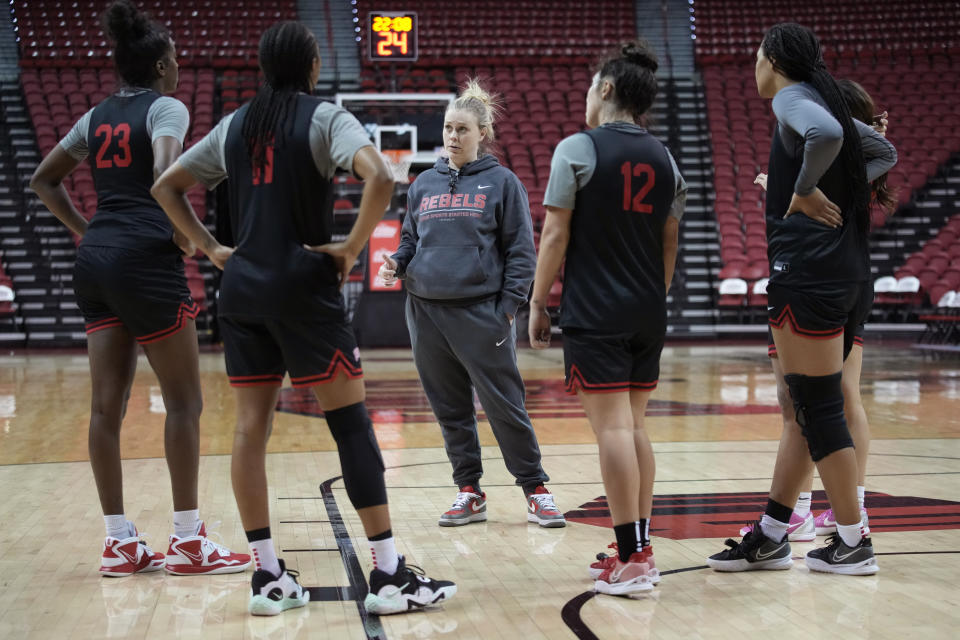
(501, 342)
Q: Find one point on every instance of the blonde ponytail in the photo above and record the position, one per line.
(486, 107)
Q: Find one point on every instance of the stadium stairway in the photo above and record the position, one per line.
(680, 118)
(9, 67)
(332, 21)
(666, 25)
(690, 302)
(38, 251)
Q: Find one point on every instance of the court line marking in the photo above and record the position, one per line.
(358, 583)
(302, 521)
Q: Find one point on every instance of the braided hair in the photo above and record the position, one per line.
(138, 43)
(863, 109)
(795, 52)
(631, 70)
(287, 52)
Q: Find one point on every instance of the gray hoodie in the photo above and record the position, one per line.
(468, 236)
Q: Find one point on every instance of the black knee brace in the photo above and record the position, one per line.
(360, 460)
(818, 401)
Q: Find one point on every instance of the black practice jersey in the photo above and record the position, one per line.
(802, 251)
(613, 279)
(121, 160)
(274, 211)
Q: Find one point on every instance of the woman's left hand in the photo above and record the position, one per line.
(344, 256)
(219, 256)
(880, 126)
(816, 206)
(539, 328)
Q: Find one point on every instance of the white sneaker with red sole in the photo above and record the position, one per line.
(127, 556)
(199, 555)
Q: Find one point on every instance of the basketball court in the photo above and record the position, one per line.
(714, 422)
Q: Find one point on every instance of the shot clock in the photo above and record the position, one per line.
(392, 36)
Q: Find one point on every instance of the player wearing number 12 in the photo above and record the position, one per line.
(614, 201)
(131, 288)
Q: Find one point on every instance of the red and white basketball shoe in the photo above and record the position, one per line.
(199, 555)
(605, 562)
(128, 556)
(624, 578)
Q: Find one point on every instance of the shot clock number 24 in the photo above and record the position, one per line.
(393, 37)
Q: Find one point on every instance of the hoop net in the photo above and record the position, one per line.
(399, 161)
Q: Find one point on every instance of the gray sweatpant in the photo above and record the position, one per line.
(459, 349)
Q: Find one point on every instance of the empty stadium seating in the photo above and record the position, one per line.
(207, 33)
(864, 30)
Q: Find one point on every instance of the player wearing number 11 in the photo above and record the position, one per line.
(614, 202)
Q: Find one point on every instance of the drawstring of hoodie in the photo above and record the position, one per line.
(454, 177)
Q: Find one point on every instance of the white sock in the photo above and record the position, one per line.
(802, 507)
(851, 533)
(385, 555)
(265, 556)
(186, 523)
(773, 529)
(860, 492)
(117, 526)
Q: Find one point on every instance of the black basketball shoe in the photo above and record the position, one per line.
(274, 594)
(755, 551)
(837, 557)
(405, 590)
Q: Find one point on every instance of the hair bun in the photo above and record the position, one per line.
(473, 90)
(123, 22)
(641, 54)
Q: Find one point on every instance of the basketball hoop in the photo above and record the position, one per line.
(399, 161)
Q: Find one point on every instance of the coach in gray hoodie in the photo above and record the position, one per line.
(467, 257)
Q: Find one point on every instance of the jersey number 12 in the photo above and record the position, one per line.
(634, 202)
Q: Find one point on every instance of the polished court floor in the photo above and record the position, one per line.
(715, 425)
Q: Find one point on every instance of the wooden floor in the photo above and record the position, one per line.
(714, 423)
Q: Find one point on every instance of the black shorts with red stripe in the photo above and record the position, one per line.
(603, 363)
(145, 292)
(260, 351)
(820, 314)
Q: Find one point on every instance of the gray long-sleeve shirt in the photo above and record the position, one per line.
(807, 128)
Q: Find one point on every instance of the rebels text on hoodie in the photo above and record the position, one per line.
(468, 235)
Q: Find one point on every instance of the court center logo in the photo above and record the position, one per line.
(716, 515)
